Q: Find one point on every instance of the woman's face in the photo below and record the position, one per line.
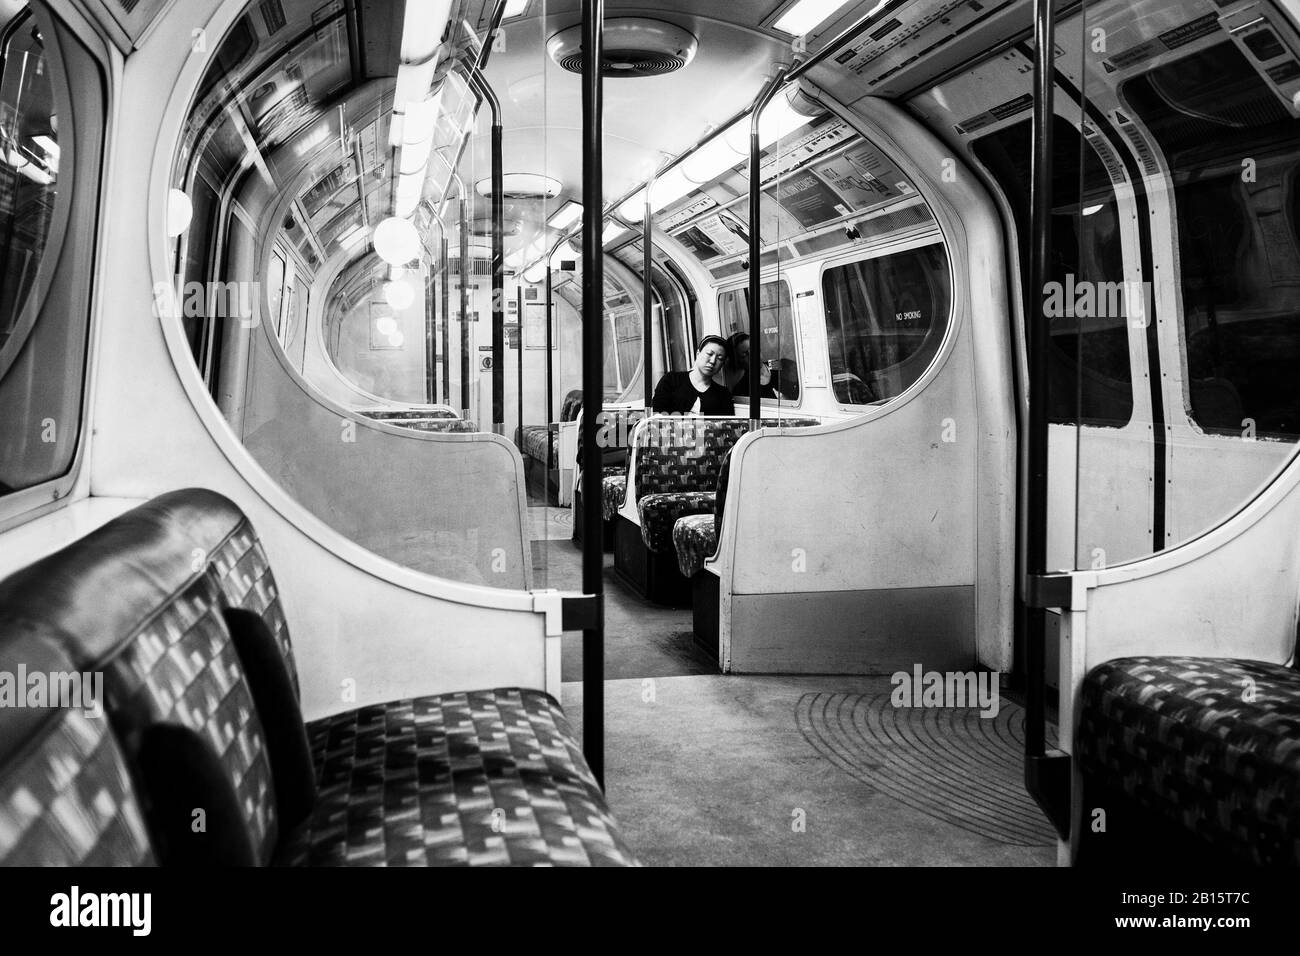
(709, 359)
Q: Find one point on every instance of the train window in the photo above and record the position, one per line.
(51, 123)
(1231, 148)
(622, 339)
(776, 327)
(1090, 380)
(885, 319)
(670, 304)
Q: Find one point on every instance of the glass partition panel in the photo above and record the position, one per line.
(339, 174)
(1185, 259)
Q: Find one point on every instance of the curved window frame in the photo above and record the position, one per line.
(77, 223)
(931, 237)
(796, 333)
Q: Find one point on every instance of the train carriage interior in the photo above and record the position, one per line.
(348, 491)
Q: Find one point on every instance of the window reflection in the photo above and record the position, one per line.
(885, 320)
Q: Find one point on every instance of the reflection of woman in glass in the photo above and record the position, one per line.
(696, 391)
(737, 376)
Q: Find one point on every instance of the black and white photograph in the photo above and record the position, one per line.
(808, 434)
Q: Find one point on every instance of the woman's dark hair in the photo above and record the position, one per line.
(734, 343)
(711, 340)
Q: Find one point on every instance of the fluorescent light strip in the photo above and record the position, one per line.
(515, 8)
(806, 14)
(565, 216)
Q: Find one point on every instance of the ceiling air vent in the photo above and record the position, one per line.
(634, 46)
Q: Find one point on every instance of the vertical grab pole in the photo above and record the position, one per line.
(486, 92)
(1039, 251)
(550, 371)
(466, 272)
(647, 348)
(519, 369)
(445, 324)
(593, 385)
(1047, 775)
(755, 240)
(431, 332)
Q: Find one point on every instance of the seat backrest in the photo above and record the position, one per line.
(685, 453)
(571, 406)
(66, 797)
(174, 603)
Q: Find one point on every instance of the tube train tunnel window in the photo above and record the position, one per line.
(776, 326)
(51, 130)
(1231, 148)
(1090, 381)
(885, 319)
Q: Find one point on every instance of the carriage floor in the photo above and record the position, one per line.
(711, 769)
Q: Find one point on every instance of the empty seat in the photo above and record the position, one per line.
(1212, 745)
(613, 489)
(659, 512)
(695, 539)
(174, 602)
(485, 777)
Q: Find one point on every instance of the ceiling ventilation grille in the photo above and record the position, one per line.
(634, 46)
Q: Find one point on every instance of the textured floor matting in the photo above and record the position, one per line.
(948, 763)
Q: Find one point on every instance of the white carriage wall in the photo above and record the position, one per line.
(906, 544)
(359, 621)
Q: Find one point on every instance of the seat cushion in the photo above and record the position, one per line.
(540, 444)
(1212, 744)
(489, 777)
(436, 424)
(613, 488)
(695, 539)
(660, 512)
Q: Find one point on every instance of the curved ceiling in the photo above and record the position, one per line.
(301, 92)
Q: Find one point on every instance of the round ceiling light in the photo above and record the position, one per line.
(519, 186)
(399, 294)
(386, 325)
(179, 212)
(396, 241)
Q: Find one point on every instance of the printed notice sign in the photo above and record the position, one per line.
(807, 198)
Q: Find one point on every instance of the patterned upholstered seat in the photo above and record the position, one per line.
(455, 425)
(174, 602)
(660, 512)
(541, 444)
(66, 797)
(613, 489)
(1210, 744)
(695, 539)
(399, 414)
(488, 777)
